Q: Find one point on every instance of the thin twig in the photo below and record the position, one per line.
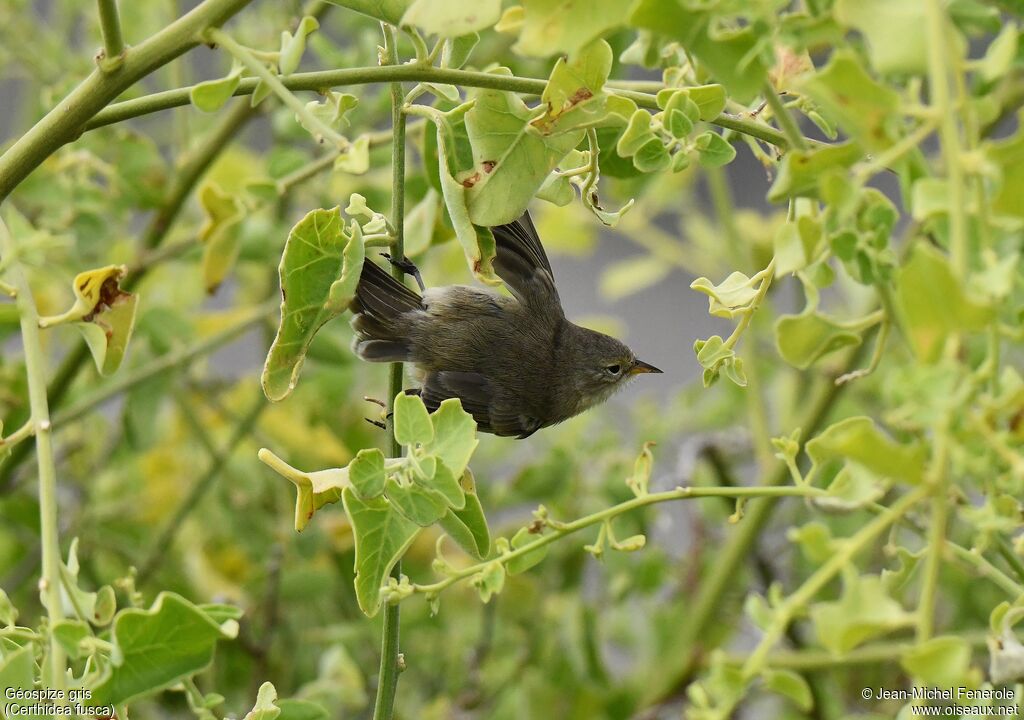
(390, 658)
(35, 369)
(113, 40)
(317, 81)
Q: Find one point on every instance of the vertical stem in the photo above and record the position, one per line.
(387, 682)
(786, 122)
(949, 134)
(110, 25)
(35, 367)
(936, 533)
(757, 412)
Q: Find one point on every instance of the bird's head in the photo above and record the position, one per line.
(601, 365)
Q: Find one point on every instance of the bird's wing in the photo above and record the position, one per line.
(522, 264)
(475, 392)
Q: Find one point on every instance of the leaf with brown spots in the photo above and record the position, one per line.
(103, 312)
(573, 97)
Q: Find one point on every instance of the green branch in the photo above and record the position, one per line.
(113, 40)
(262, 72)
(707, 604)
(949, 133)
(789, 127)
(560, 530)
(390, 658)
(35, 368)
(65, 121)
(823, 575)
(318, 81)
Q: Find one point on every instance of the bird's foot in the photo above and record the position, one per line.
(383, 415)
(408, 267)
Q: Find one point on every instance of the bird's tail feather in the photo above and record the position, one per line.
(381, 321)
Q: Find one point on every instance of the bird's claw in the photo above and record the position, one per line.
(408, 267)
(383, 416)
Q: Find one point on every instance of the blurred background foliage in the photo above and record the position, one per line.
(164, 477)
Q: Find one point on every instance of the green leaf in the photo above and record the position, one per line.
(452, 19)
(933, 302)
(157, 648)
(815, 541)
(446, 483)
(109, 329)
(709, 99)
(511, 158)
(8, 613)
(796, 244)
(292, 46)
(801, 171)
(564, 26)
(638, 482)
(18, 670)
(853, 487)
(332, 111)
(477, 243)
(652, 157)
(223, 211)
(790, 684)
(717, 359)
(524, 562)
(489, 581)
(366, 473)
(412, 423)
(557, 190)
(573, 96)
(382, 536)
(803, 339)
(1000, 54)
(729, 298)
(210, 96)
(390, 11)
(848, 96)
(96, 607)
(69, 634)
(637, 134)
(894, 30)
(864, 611)
(459, 49)
(1008, 156)
(713, 150)
(939, 662)
(454, 436)
(468, 527)
(312, 490)
(301, 710)
(314, 283)
(356, 159)
(266, 704)
(734, 57)
(422, 505)
(629, 276)
(857, 439)
(678, 124)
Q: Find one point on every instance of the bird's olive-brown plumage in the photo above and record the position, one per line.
(516, 363)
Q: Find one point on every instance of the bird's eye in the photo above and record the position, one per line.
(613, 369)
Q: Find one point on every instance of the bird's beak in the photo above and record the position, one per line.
(641, 367)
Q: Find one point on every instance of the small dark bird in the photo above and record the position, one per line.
(516, 363)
